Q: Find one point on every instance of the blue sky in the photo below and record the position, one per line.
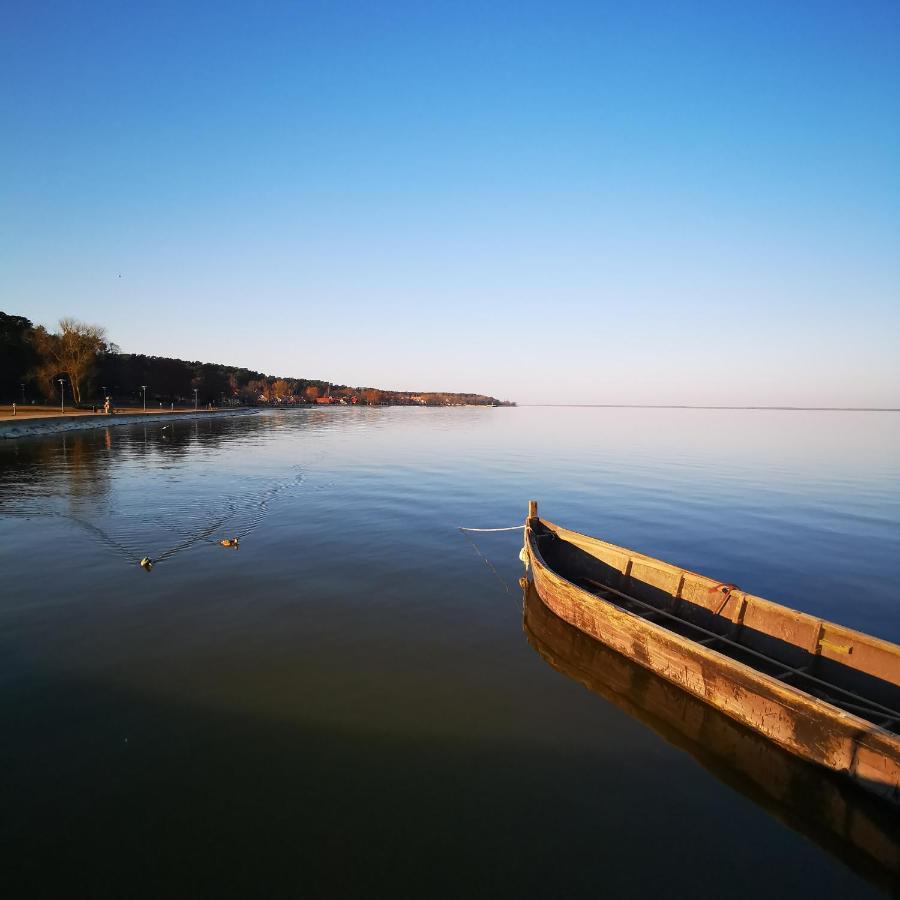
(656, 202)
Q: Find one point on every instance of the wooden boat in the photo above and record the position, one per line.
(846, 821)
(821, 691)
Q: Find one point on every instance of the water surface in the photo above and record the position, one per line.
(348, 705)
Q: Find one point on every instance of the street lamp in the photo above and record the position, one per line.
(62, 396)
(144, 389)
(195, 399)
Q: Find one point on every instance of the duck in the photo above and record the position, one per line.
(229, 542)
(146, 564)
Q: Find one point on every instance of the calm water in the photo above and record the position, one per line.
(349, 705)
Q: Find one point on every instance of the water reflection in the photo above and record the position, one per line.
(349, 697)
(156, 512)
(859, 830)
(25, 468)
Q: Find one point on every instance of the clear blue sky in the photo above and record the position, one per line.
(669, 202)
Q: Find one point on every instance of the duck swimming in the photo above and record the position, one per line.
(229, 542)
(146, 564)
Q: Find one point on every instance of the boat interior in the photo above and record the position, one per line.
(851, 670)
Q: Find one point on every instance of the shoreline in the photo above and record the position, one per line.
(38, 426)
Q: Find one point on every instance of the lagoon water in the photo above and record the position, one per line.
(348, 704)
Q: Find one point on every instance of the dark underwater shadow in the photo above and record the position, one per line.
(108, 793)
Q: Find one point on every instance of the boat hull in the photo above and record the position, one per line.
(847, 822)
(800, 723)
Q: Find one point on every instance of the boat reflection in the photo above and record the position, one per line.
(861, 831)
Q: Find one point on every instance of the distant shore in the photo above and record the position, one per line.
(31, 423)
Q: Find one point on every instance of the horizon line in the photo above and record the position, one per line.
(700, 406)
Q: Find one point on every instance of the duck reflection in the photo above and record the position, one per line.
(861, 831)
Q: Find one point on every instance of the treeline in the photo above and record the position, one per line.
(33, 362)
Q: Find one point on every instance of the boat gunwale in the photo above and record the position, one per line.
(655, 563)
(787, 694)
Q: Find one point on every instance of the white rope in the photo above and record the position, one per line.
(486, 561)
(511, 528)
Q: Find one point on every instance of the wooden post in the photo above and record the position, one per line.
(532, 509)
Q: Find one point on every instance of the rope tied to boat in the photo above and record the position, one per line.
(465, 533)
(484, 530)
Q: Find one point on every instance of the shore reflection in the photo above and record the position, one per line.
(143, 490)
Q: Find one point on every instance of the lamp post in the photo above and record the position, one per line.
(23, 393)
(62, 396)
(144, 389)
(195, 399)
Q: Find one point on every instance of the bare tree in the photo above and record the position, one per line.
(72, 351)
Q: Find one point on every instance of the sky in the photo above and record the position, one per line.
(552, 202)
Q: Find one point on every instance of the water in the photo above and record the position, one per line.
(348, 704)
